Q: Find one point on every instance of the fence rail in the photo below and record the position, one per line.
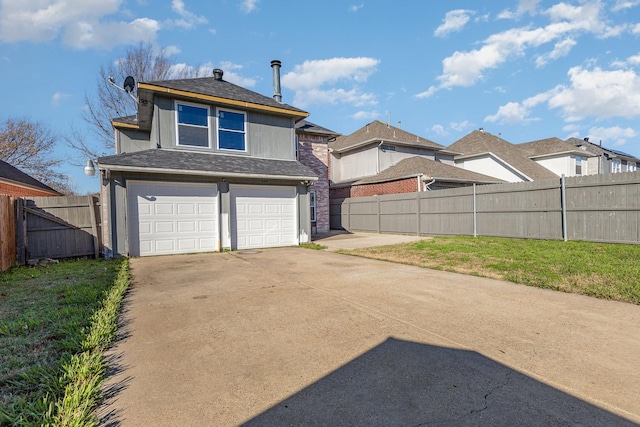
(598, 208)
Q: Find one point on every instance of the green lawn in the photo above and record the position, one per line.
(55, 321)
(609, 271)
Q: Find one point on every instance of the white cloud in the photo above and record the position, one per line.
(439, 130)
(355, 8)
(636, 29)
(515, 112)
(310, 79)
(365, 115)
(524, 6)
(624, 4)
(467, 68)
(615, 135)
(460, 126)
(598, 93)
(187, 19)
(85, 35)
(454, 20)
(171, 50)
(58, 97)
(248, 6)
(562, 48)
(81, 23)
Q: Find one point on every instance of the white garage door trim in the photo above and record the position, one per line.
(172, 218)
(263, 216)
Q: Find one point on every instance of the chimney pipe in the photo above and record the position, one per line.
(217, 74)
(275, 64)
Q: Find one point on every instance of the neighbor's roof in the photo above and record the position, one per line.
(480, 142)
(550, 146)
(418, 165)
(598, 149)
(308, 127)
(16, 176)
(209, 164)
(376, 132)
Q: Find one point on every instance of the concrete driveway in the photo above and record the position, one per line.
(294, 336)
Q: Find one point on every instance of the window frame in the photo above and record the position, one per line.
(244, 131)
(178, 124)
(578, 170)
(616, 166)
(313, 205)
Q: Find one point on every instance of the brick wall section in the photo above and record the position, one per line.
(17, 191)
(313, 152)
(407, 185)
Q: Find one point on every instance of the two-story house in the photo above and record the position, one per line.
(560, 157)
(485, 153)
(205, 165)
(383, 159)
(605, 160)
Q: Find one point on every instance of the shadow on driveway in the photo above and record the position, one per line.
(412, 384)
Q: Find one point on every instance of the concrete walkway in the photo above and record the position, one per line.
(336, 240)
(294, 336)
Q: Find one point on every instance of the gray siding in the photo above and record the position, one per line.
(132, 140)
(270, 136)
(599, 208)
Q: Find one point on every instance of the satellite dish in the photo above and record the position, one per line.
(129, 84)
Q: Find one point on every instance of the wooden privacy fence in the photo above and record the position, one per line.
(7, 233)
(57, 227)
(597, 208)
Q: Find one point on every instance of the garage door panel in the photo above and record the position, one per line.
(168, 218)
(263, 216)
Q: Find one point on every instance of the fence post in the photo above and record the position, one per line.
(475, 212)
(348, 227)
(21, 231)
(418, 213)
(563, 197)
(378, 210)
(94, 226)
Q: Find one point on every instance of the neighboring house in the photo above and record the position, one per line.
(559, 156)
(605, 160)
(374, 148)
(14, 182)
(205, 166)
(410, 175)
(485, 153)
(313, 151)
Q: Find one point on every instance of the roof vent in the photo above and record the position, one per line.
(586, 138)
(481, 129)
(217, 74)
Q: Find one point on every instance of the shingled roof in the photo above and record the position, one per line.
(307, 126)
(550, 146)
(598, 149)
(376, 132)
(480, 142)
(12, 174)
(418, 165)
(197, 163)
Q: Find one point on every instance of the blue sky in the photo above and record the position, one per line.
(525, 69)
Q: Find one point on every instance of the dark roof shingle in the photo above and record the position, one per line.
(178, 161)
(549, 146)
(11, 173)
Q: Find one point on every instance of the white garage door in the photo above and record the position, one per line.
(263, 216)
(172, 218)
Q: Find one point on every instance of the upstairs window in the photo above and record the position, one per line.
(632, 166)
(578, 165)
(231, 130)
(616, 166)
(193, 125)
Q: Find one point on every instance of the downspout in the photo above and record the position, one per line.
(427, 184)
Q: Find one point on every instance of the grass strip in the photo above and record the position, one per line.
(602, 270)
(55, 320)
(84, 373)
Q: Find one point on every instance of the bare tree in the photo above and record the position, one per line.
(142, 62)
(29, 147)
